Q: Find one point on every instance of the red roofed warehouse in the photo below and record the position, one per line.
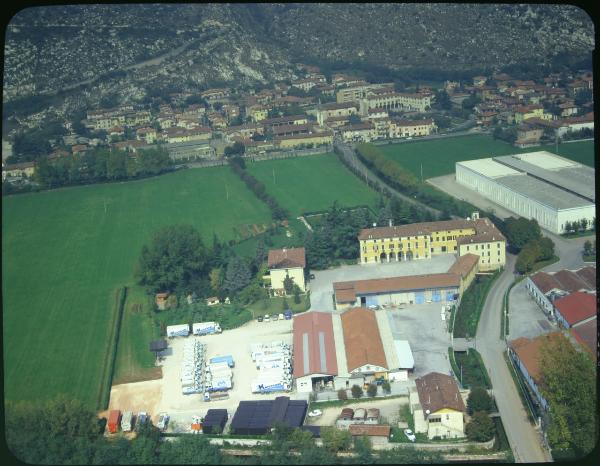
(315, 361)
(574, 309)
(286, 262)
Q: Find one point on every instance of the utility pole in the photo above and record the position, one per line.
(226, 191)
(274, 176)
(421, 172)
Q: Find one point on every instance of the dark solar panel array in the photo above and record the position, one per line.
(214, 418)
(257, 417)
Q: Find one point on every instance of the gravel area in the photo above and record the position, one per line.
(390, 409)
(321, 287)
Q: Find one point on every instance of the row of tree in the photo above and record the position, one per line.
(100, 165)
(64, 431)
(577, 226)
(238, 166)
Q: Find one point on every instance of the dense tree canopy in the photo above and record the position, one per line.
(481, 427)
(479, 400)
(176, 260)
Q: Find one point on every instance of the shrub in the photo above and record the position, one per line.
(481, 427)
(386, 387)
(372, 390)
(342, 394)
(357, 391)
(479, 400)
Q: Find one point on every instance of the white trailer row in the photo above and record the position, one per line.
(182, 330)
(218, 377)
(192, 367)
(274, 363)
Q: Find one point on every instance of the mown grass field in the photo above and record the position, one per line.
(438, 156)
(312, 183)
(64, 254)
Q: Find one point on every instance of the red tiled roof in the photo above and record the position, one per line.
(362, 339)
(545, 282)
(481, 226)
(588, 274)
(438, 391)
(314, 345)
(587, 335)
(528, 352)
(464, 264)
(570, 281)
(576, 307)
(282, 258)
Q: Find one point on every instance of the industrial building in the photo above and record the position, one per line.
(258, 417)
(336, 351)
(412, 289)
(539, 185)
(423, 240)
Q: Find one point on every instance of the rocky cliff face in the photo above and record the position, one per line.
(48, 49)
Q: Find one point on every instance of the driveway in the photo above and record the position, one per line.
(526, 318)
(321, 287)
(524, 439)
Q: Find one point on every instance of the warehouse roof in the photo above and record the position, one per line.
(576, 307)
(314, 345)
(488, 167)
(588, 274)
(545, 193)
(587, 335)
(438, 391)
(362, 339)
(464, 265)
(404, 353)
(571, 281)
(285, 258)
(344, 290)
(545, 282)
(558, 171)
(255, 417)
(528, 352)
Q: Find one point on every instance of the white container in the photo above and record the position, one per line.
(182, 330)
(126, 421)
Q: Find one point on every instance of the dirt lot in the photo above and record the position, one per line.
(138, 396)
(387, 408)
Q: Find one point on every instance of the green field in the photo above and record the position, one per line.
(312, 183)
(65, 253)
(437, 157)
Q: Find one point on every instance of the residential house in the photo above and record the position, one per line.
(78, 149)
(528, 135)
(568, 108)
(335, 110)
(215, 94)
(314, 139)
(146, 134)
(286, 262)
(161, 301)
(291, 130)
(402, 128)
(285, 120)
(438, 407)
(18, 170)
(174, 135)
(257, 112)
(360, 132)
(479, 81)
(525, 112)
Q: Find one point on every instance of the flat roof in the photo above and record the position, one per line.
(488, 168)
(542, 192)
(404, 353)
(571, 176)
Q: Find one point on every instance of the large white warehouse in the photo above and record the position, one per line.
(540, 185)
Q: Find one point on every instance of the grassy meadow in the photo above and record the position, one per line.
(312, 183)
(438, 156)
(66, 252)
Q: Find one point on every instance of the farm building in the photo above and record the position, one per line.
(410, 289)
(539, 185)
(287, 262)
(258, 417)
(378, 434)
(545, 287)
(337, 351)
(575, 309)
(438, 407)
(475, 235)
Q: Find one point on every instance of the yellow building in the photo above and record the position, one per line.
(326, 137)
(286, 262)
(438, 407)
(422, 240)
(530, 111)
(18, 170)
(258, 113)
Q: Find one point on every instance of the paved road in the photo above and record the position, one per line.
(524, 439)
(569, 251)
(347, 153)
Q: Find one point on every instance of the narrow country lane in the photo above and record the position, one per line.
(524, 439)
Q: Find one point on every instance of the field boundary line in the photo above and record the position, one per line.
(111, 354)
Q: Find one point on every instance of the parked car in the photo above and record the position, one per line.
(409, 434)
(275, 317)
(163, 421)
(281, 317)
(315, 413)
(287, 314)
(260, 318)
(142, 417)
(267, 318)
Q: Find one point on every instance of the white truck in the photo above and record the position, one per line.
(126, 421)
(182, 330)
(206, 328)
(220, 384)
(268, 386)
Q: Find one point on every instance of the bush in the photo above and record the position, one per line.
(479, 401)
(342, 394)
(481, 427)
(386, 387)
(357, 391)
(372, 390)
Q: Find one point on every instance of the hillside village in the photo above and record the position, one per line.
(311, 111)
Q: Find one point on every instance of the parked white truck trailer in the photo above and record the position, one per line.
(182, 330)
(206, 328)
(126, 421)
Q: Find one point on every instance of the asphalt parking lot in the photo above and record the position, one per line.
(526, 318)
(321, 287)
(426, 333)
